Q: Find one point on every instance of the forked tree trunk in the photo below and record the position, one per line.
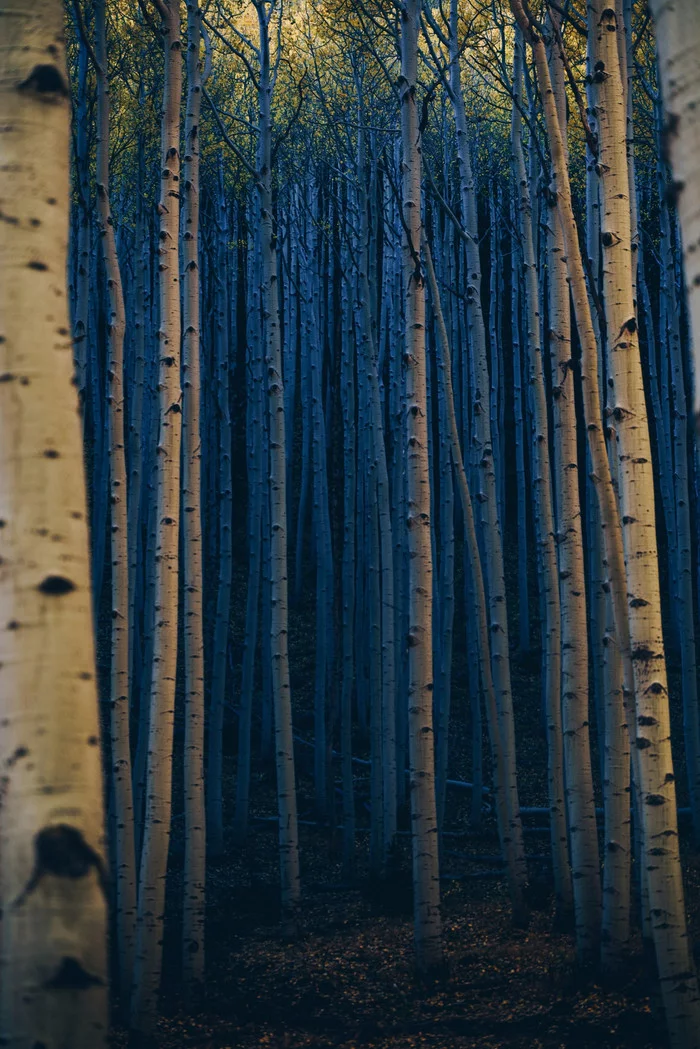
(156, 838)
(53, 934)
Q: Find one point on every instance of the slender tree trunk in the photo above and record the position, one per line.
(154, 856)
(224, 512)
(505, 820)
(482, 451)
(53, 934)
(284, 745)
(256, 492)
(544, 522)
(122, 794)
(580, 804)
(348, 581)
(195, 821)
(80, 315)
(426, 873)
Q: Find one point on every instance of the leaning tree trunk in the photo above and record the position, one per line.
(53, 934)
(678, 43)
(426, 872)
(195, 823)
(578, 778)
(156, 837)
(508, 840)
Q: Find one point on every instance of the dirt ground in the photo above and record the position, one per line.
(348, 981)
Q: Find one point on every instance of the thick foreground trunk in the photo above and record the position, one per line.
(53, 946)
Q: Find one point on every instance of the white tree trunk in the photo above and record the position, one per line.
(483, 455)
(195, 822)
(578, 778)
(660, 832)
(53, 934)
(278, 632)
(154, 856)
(124, 862)
(426, 872)
(544, 520)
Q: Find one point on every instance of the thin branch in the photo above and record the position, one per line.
(82, 30)
(228, 140)
(591, 138)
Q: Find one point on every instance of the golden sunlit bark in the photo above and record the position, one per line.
(53, 933)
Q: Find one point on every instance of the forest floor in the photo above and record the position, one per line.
(348, 980)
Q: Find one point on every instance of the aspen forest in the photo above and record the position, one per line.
(350, 490)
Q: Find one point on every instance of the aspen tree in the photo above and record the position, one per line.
(256, 492)
(369, 360)
(137, 416)
(507, 824)
(482, 445)
(544, 514)
(195, 822)
(426, 874)
(224, 513)
(583, 836)
(519, 412)
(445, 589)
(321, 523)
(663, 874)
(678, 41)
(123, 839)
(80, 311)
(674, 487)
(660, 832)
(278, 584)
(348, 401)
(53, 934)
(156, 836)
(612, 672)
